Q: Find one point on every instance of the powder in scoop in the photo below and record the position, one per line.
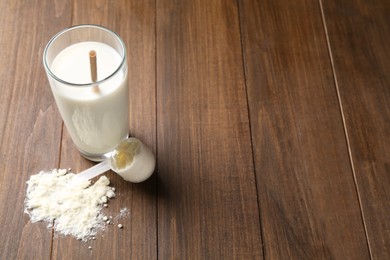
(75, 207)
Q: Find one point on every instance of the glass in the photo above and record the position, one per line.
(95, 112)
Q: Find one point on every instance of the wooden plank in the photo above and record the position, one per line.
(207, 203)
(134, 21)
(30, 128)
(359, 37)
(309, 205)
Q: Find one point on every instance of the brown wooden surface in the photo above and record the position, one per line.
(306, 186)
(207, 206)
(359, 36)
(270, 121)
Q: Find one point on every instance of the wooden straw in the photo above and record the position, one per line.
(92, 62)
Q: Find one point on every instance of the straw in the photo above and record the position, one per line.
(92, 62)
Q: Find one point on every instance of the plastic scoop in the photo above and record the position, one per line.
(94, 171)
(131, 159)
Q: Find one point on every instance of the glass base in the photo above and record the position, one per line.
(96, 157)
(99, 157)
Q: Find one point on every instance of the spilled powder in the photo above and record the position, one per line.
(71, 207)
(122, 213)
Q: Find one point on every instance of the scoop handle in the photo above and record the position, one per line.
(94, 171)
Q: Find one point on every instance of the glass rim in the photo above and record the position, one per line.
(91, 84)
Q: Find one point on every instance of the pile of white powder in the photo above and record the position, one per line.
(74, 208)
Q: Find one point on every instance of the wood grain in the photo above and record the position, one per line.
(207, 207)
(270, 121)
(359, 37)
(30, 128)
(134, 21)
(309, 205)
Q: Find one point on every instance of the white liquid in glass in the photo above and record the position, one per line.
(96, 121)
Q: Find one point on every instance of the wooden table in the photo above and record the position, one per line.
(270, 121)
